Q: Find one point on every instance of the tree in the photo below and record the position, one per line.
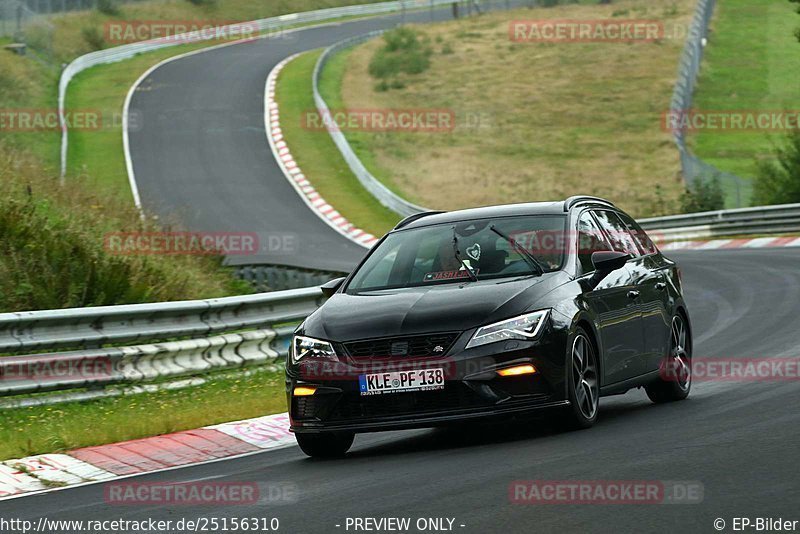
(705, 194)
(778, 182)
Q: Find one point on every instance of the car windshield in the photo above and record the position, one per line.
(446, 253)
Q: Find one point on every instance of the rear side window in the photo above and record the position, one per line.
(617, 233)
(639, 235)
(590, 240)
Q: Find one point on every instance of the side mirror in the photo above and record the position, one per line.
(605, 262)
(329, 288)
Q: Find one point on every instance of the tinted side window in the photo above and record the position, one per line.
(641, 237)
(590, 239)
(617, 233)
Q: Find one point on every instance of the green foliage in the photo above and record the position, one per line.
(778, 182)
(108, 7)
(14, 84)
(660, 204)
(405, 52)
(703, 195)
(204, 3)
(39, 37)
(93, 37)
(53, 250)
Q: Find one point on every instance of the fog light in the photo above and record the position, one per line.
(517, 370)
(304, 391)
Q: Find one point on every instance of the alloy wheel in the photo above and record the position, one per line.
(679, 357)
(584, 376)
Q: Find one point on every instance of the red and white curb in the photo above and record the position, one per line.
(293, 172)
(717, 244)
(48, 472)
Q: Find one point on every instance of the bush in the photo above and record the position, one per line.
(405, 52)
(703, 195)
(93, 38)
(108, 7)
(15, 81)
(203, 3)
(778, 182)
(39, 37)
(53, 252)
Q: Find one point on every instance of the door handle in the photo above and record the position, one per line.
(661, 286)
(633, 294)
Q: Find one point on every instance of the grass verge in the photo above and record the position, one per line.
(752, 63)
(534, 120)
(97, 155)
(58, 428)
(318, 156)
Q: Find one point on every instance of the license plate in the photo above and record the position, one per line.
(401, 381)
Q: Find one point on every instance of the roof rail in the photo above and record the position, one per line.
(414, 217)
(571, 201)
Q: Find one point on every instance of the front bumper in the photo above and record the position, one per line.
(472, 390)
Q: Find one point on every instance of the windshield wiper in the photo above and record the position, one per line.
(470, 272)
(527, 256)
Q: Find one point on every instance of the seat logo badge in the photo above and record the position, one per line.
(400, 348)
(438, 348)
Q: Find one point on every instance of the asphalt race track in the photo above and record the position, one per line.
(738, 439)
(200, 153)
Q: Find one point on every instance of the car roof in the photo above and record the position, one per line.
(560, 207)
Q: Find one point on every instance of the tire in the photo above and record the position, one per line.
(583, 384)
(675, 376)
(326, 445)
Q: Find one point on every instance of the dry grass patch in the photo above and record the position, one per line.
(555, 119)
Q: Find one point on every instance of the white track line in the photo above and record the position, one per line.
(125, 110)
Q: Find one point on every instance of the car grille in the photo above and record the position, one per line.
(429, 345)
(353, 406)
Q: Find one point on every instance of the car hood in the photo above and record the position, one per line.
(427, 309)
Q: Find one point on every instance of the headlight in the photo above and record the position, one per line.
(308, 347)
(525, 327)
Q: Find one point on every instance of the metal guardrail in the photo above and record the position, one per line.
(97, 326)
(269, 25)
(383, 194)
(172, 339)
(784, 218)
